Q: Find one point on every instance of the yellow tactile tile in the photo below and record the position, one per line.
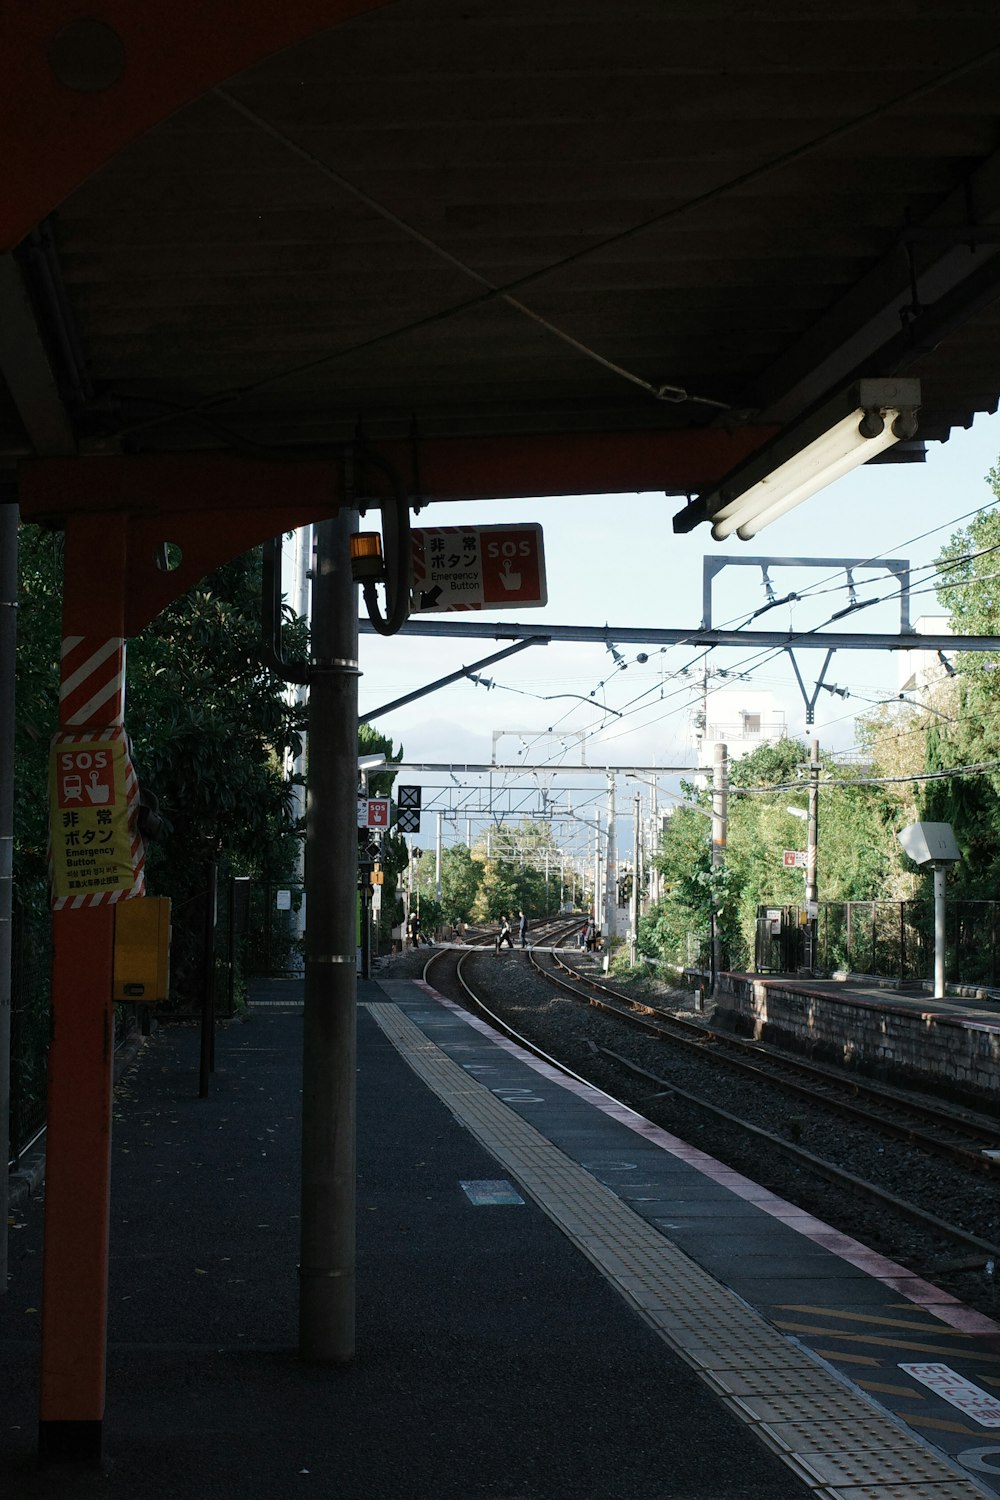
(852, 1451)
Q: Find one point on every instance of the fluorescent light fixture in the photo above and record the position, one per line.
(823, 446)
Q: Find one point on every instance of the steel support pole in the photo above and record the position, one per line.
(812, 850)
(328, 1194)
(812, 834)
(597, 870)
(81, 1054)
(940, 877)
(720, 802)
(8, 661)
(611, 869)
(633, 940)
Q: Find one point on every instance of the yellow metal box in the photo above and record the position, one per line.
(142, 949)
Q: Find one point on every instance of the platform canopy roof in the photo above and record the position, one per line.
(533, 227)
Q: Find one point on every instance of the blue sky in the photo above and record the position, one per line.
(616, 560)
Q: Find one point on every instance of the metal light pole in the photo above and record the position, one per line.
(327, 1240)
(813, 825)
(812, 843)
(611, 867)
(633, 913)
(720, 793)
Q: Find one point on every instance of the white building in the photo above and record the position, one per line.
(920, 672)
(741, 717)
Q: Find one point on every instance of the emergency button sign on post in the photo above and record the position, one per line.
(477, 567)
(90, 838)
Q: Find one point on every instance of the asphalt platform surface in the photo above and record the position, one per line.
(494, 1362)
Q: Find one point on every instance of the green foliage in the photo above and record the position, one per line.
(461, 876)
(507, 888)
(685, 862)
(857, 844)
(514, 874)
(37, 707)
(970, 731)
(212, 734)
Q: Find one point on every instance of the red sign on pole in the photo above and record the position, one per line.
(477, 567)
(378, 812)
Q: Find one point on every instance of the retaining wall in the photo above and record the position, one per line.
(900, 1043)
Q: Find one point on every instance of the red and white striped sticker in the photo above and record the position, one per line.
(96, 853)
(91, 681)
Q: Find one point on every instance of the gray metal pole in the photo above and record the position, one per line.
(8, 645)
(633, 915)
(611, 869)
(597, 870)
(328, 1199)
(812, 848)
(720, 805)
(940, 876)
(813, 825)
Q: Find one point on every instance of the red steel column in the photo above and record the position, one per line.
(78, 1152)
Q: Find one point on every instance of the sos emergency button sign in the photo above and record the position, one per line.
(477, 567)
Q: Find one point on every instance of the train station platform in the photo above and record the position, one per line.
(905, 1033)
(555, 1299)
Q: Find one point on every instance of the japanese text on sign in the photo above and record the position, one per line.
(477, 567)
(90, 838)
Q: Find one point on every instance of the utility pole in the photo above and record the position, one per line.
(720, 795)
(633, 914)
(611, 867)
(813, 825)
(812, 840)
(437, 861)
(329, 1058)
(598, 921)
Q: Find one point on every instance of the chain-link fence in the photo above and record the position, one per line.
(890, 939)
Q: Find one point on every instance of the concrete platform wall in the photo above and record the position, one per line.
(905, 1044)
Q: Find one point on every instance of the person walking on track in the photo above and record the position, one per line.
(503, 936)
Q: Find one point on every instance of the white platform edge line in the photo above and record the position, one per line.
(941, 1305)
(427, 1059)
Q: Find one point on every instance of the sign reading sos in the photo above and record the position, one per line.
(85, 778)
(513, 570)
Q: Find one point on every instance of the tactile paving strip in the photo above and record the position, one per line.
(853, 1452)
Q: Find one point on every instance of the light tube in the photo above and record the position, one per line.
(840, 449)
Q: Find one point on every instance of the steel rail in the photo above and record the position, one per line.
(812, 1081)
(806, 1159)
(818, 1164)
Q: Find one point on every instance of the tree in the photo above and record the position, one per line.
(684, 860)
(515, 871)
(967, 734)
(212, 733)
(461, 876)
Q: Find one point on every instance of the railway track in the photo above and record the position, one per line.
(959, 1135)
(928, 1127)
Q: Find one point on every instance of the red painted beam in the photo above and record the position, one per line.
(210, 508)
(213, 507)
(573, 463)
(82, 80)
